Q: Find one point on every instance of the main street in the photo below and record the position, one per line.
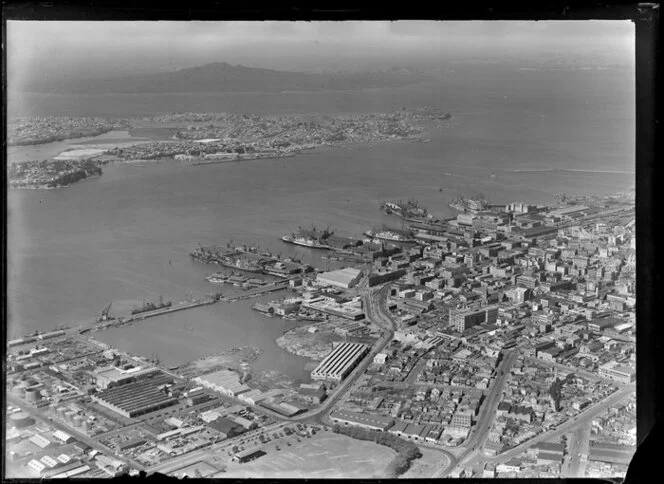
(578, 444)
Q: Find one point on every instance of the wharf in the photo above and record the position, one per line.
(96, 325)
(172, 309)
(277, 286)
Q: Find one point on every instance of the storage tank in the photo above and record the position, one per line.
(86, 426)
(78, 420)
(21, 420)
(32, 395)
(69, 416)
(61, 412)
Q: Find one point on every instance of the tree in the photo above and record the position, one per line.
(556, 392)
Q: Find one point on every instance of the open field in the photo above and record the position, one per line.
(324, 455)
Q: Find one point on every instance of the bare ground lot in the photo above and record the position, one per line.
(326, 455)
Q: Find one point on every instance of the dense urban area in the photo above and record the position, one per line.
(198, 138)
(496, 343)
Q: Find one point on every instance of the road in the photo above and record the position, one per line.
(578, 444)
(584, 418)
(487, 411)
(377, 312)
(373, 314)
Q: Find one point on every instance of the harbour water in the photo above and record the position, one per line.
(126, 235)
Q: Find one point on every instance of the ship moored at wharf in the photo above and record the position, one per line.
(391, 235)
(313, 239)
(409, 210)
(149, 306)
(249, 260)
(325, 239)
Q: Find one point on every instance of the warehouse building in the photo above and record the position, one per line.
(617, 372)
(248, 455)
(348, 310)
(112, 376)
(138, 398)
(340, 362)
(283, 408)
(66, 471)
(223, 381)
(343, 278)
(611, 453)
(373, 422)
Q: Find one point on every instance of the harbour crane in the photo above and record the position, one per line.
(104, 314)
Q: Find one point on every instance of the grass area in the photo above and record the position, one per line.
(426, 465)
(324, 455)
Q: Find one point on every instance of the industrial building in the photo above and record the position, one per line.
(373, 422)
(112, 376)
(340, 362)
(223, 381)
(138, 398)
(344, 278)
(348, 310)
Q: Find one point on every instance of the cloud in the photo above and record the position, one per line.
(36, 45)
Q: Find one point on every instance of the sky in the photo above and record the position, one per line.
(46, 48)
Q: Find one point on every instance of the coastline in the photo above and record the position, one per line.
(41, 187)
(57, 139)
(298, 341)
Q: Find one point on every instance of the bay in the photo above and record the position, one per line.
(126, 235)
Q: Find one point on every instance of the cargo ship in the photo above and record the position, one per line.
(391, 235)
(241, 263)
(312, 239)
(207, 255)
(149, 306)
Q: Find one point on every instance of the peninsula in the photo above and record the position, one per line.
(203, 138)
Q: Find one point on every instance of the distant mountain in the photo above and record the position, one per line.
(223, 77)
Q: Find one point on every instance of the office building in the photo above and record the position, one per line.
(462, 319)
